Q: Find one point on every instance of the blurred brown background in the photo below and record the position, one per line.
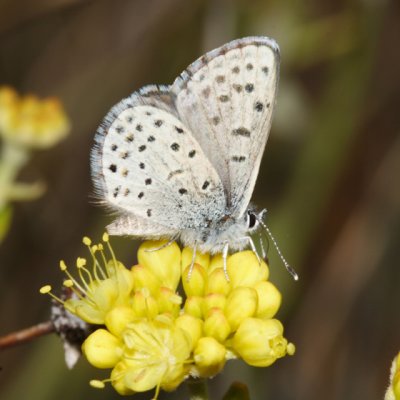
(330, 176)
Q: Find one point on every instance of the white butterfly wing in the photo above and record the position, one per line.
(226, 98)
(147, 165)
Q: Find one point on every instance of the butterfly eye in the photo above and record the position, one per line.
(251, 220)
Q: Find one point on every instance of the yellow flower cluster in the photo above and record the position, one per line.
(393, 391)
(30, 122)
(154, 337)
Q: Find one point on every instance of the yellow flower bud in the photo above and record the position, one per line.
(118, 379)
(144, 305)
(194, 306)
(396, 385)
(244, 269)
(195, 284)
(269, 299)
(217, 282)
(216, 325)
(193, 327)
(209, 356)
(241, 304)
(260, 342)
(216, 262)
(118, 318)
(102, 349)
(145, 278)
(164, 263)
(201, 259)
(213, 300)
(168, 301)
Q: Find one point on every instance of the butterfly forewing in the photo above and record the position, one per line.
(226, 98)
(151, 168)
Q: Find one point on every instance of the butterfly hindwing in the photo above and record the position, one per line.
(226, 98)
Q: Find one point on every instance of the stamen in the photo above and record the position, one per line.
(63, 267)
(97, 384)
(47, 290)
(86, 241)
(96, 265)
(82, 269)
(106, 240)
(157, 391)
(68, 283)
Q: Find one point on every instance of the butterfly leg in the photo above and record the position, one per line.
(193, 260)
(263, 250)
(225, 251)
(172, 240)
(253, 248)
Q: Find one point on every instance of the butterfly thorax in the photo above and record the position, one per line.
(214, 235)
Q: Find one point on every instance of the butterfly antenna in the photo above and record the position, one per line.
(285, 263)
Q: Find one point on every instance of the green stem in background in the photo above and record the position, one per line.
(237, 391)
(12, 159)
(198, 389)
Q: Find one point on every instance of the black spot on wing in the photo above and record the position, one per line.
(241, 132)
(205, 185)
(249, 87)
(238, 158)
(175, 146)
(258, 106)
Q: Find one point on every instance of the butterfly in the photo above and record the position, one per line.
(181, 161)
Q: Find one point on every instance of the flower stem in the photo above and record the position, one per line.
(198, 389)
(25, 335)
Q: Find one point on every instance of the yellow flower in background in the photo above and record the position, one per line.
(30, 122)
(26, 123)
(152, 336)
(393, 391)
